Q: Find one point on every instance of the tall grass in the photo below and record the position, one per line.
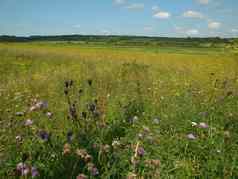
(130, 111)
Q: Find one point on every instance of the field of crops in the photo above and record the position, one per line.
(80, 111)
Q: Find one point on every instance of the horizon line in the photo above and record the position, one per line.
(114, 35)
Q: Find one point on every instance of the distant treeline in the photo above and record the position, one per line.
(124, 40)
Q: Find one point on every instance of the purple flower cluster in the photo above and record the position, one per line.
(25, 170)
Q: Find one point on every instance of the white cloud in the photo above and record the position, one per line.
(192, 32)
(193, 14)
(234, 30)
(119, 2)
(155, 8)
(136, 6)
(214, 25)
(204, 2)
(162, 15)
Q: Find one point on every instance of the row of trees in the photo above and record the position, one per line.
(124, 40)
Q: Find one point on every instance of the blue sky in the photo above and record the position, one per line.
(174, 18)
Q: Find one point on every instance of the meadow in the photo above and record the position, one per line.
(94, 111)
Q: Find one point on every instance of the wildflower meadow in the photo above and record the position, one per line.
(80, 111)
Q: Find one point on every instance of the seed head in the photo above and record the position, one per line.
(131, 176)
(67, 149)
(81, 153)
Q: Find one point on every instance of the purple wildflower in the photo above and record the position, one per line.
(23, 169)
(20, 166)
(141, 151)
(34, 172)
(44, 135)
(191, 136)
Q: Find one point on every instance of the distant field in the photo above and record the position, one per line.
(146, 96)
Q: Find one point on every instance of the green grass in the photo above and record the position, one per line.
(176, 85)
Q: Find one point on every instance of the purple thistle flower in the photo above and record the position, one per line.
(141, 151)
(23, 169)
(44, 135)
(34, 172)
(191, 136)
(20, 166)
